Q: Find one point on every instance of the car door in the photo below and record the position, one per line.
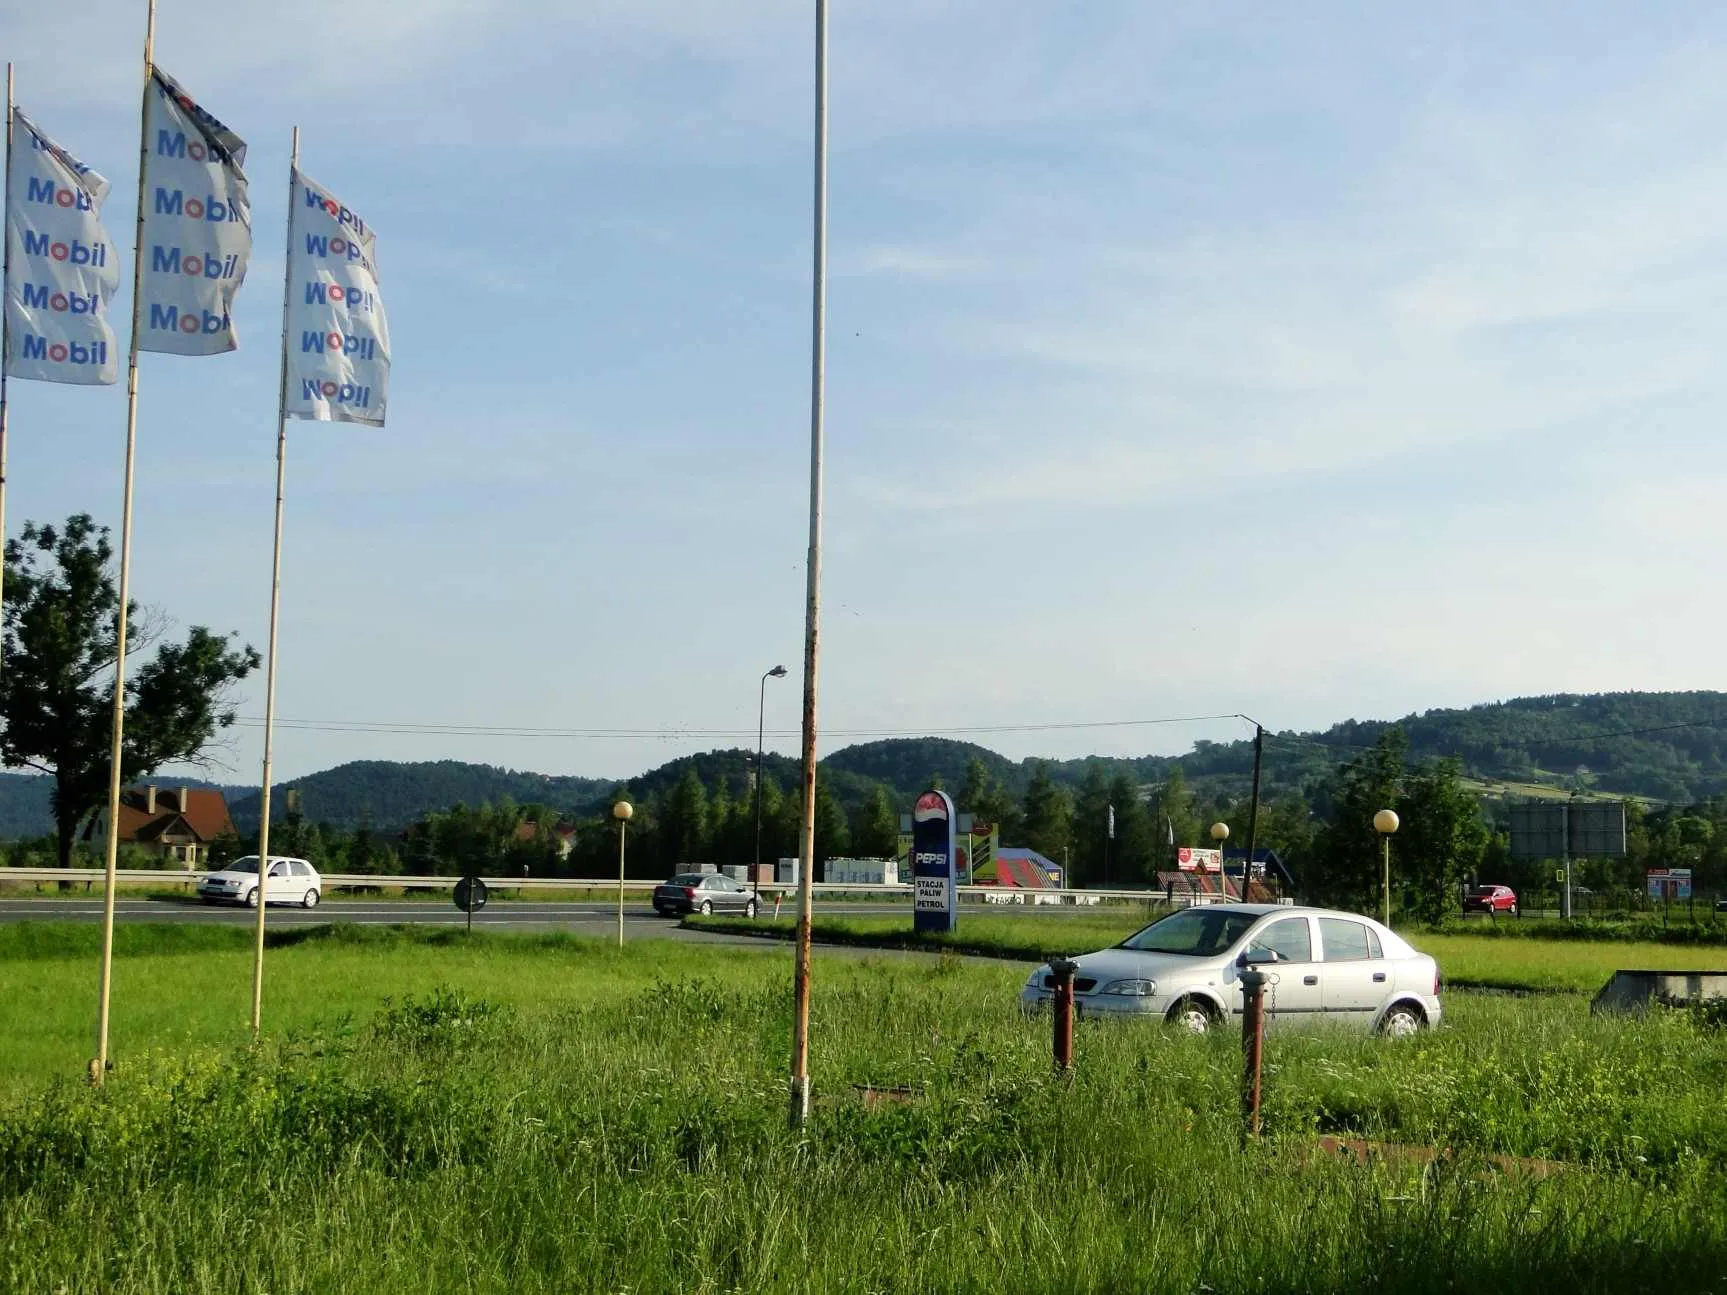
(280, 888)
(1354, 975)
(1294, 993)
(302, 879)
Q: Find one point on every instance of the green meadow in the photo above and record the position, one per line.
(517, 1113)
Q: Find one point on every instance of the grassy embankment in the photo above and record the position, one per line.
(514, 1113)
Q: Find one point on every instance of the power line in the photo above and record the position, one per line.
(675, 734)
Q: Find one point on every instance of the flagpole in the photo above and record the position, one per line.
(800, 1079)
(5, 334)
(275, 602)
(99, 1067)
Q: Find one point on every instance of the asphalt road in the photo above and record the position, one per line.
(583, 917)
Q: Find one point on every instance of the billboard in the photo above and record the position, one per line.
(1666, 884)
(1190, 859)
(1554, 829)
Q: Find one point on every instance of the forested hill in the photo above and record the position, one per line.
(389, 794)
(1668, 746)
(1671, 746)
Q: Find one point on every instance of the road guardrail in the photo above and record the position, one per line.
(346, 881)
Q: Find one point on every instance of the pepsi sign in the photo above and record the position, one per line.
(935, 898)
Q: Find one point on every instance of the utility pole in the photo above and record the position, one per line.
(1253, 805)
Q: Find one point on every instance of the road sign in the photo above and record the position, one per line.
(470, 894)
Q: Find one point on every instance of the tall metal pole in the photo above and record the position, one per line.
(778, 672)
(1385, 893)
(99, 1067)
(1253, 807)
(800, 1078)
(1565, 829)
(623, 830)
(275, 604)
(5, 334)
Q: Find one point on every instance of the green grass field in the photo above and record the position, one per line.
(518, 1113)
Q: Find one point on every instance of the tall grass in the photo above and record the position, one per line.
(530, 1115)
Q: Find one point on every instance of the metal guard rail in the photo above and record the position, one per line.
(344, 881)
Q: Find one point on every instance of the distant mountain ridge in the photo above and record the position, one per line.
(1668, 746)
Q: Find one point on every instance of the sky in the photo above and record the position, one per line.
(1303, 362)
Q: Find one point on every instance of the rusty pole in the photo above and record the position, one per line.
(800, 1077)
(1253, 982)
(1063, 970)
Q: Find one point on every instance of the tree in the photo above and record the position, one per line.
(57, 675)
(1175, 810)
(875, 827)
(1141, 845)
(1048, 814)
(684, 821)
(1439, 842)
(1090, 827)
(1345, 869)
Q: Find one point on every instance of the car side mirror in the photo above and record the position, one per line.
(1258, 957)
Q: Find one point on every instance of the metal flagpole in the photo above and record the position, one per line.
(99, 1067)
(5, 333)
(800, 1080)
(275, 603)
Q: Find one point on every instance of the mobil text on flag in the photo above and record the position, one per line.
(337, 363)
(63, 267)
(197, 233)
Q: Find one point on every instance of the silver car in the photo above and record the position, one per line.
(1325, 966)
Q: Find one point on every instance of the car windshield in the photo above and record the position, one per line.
(248, 864)
(1193, 932)
(687, 879)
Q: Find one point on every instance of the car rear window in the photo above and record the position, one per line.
(1345, 941)
(687, 879)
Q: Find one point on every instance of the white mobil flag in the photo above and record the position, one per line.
(338, 360)
(197, 232)
(63, 265)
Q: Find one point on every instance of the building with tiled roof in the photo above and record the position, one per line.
(179, 823)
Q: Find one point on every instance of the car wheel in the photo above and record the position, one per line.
(706, 908)
(1191, 1015)
(750, 909)
(311, 899)
(1402, 1021)
(252, 897)
(1512, 910)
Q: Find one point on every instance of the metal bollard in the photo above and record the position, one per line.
(1063, 969)
(1253, 982)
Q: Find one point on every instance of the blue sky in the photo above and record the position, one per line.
(1305, 361)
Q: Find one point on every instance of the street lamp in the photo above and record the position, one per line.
(1385, 823)
(622, 812)
(1220, 834)
(778, 672)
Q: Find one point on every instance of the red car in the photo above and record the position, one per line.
(1490, 899)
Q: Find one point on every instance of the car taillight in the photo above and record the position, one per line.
(690, 892)
(1436, 982)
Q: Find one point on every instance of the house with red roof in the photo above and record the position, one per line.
(179, 823)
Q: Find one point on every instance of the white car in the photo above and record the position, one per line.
(291, 881)
(1325, 966)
